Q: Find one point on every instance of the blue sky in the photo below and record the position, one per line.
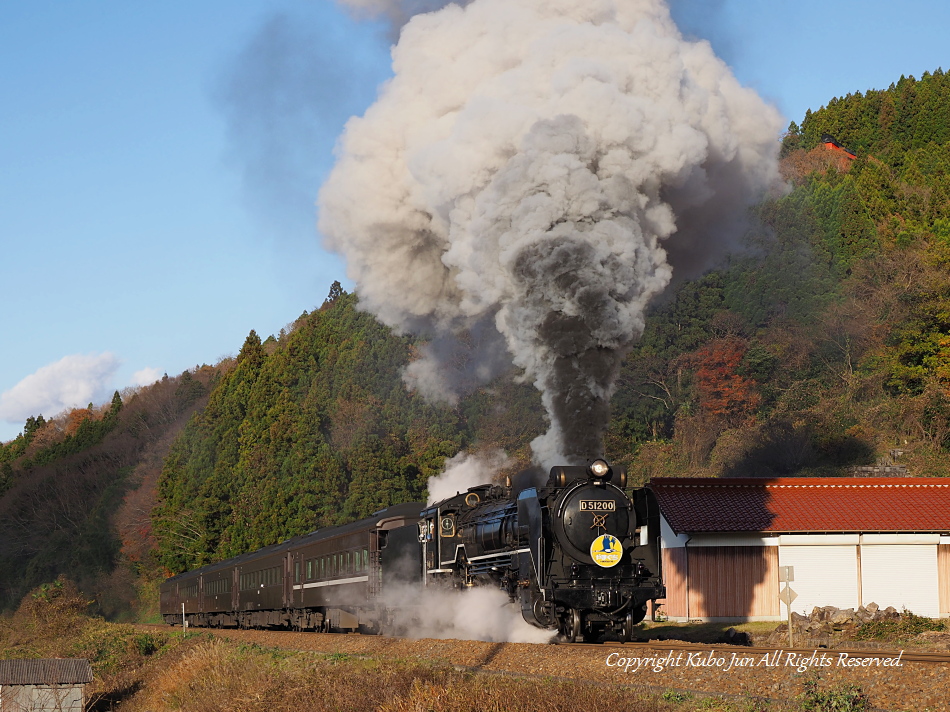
(159, 163)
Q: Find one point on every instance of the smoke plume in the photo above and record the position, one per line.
(464, 471)
(539, 169)
(478, 613)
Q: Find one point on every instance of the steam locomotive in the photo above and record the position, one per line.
(579, 555)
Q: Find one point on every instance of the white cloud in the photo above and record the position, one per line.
(73, 381)
(147, 376)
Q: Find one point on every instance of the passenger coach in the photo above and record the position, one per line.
(326, 580)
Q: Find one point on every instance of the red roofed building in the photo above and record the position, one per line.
(831, 143)
(850, 541)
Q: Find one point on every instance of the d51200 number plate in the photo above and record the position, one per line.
(598, 505)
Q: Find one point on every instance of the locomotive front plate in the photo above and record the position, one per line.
(586, 511)
(598, 505)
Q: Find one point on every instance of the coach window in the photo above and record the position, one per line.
(296, 572)
(365, 559)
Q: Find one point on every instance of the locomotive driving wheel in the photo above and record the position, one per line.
(572, 625)
(626, 629)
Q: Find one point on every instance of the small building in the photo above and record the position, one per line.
(851, 541)
(832, 144)
(57, 685)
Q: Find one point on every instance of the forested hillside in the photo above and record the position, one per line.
(76, 492)
(825, 345)
(317, 428)
(829, 345)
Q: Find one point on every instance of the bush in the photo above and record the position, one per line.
(907, 626)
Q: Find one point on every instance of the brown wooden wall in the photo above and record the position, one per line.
(723, 581)
(674, 576)
(943, 578)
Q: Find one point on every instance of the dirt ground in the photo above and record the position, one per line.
(722, 670)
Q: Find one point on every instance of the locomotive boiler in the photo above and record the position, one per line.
(579, 554)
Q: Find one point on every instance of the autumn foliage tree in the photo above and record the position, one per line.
(723, 391)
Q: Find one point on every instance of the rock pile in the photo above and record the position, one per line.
(828, 622)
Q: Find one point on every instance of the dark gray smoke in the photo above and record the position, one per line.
(541, 167)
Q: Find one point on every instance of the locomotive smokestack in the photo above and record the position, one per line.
(537, 169)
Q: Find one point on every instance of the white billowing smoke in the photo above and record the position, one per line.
(464, 471)
(477, 613)
(538, 169)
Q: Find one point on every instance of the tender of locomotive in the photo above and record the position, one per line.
(579, 554)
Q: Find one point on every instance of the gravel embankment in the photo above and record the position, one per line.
(914, 686)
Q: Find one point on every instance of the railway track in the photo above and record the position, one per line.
(906, 655)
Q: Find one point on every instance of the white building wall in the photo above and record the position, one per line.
(825, 575)
(901, 575)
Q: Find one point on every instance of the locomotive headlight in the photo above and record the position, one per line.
(599, 468)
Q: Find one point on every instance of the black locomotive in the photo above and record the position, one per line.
(579, 554)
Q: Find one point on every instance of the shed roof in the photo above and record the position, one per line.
(806, 504)
(59, 671)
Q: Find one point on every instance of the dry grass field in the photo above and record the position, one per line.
(160, 669)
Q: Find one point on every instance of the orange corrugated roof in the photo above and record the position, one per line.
(807, 504)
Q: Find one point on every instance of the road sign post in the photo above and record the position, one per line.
(787, 595)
